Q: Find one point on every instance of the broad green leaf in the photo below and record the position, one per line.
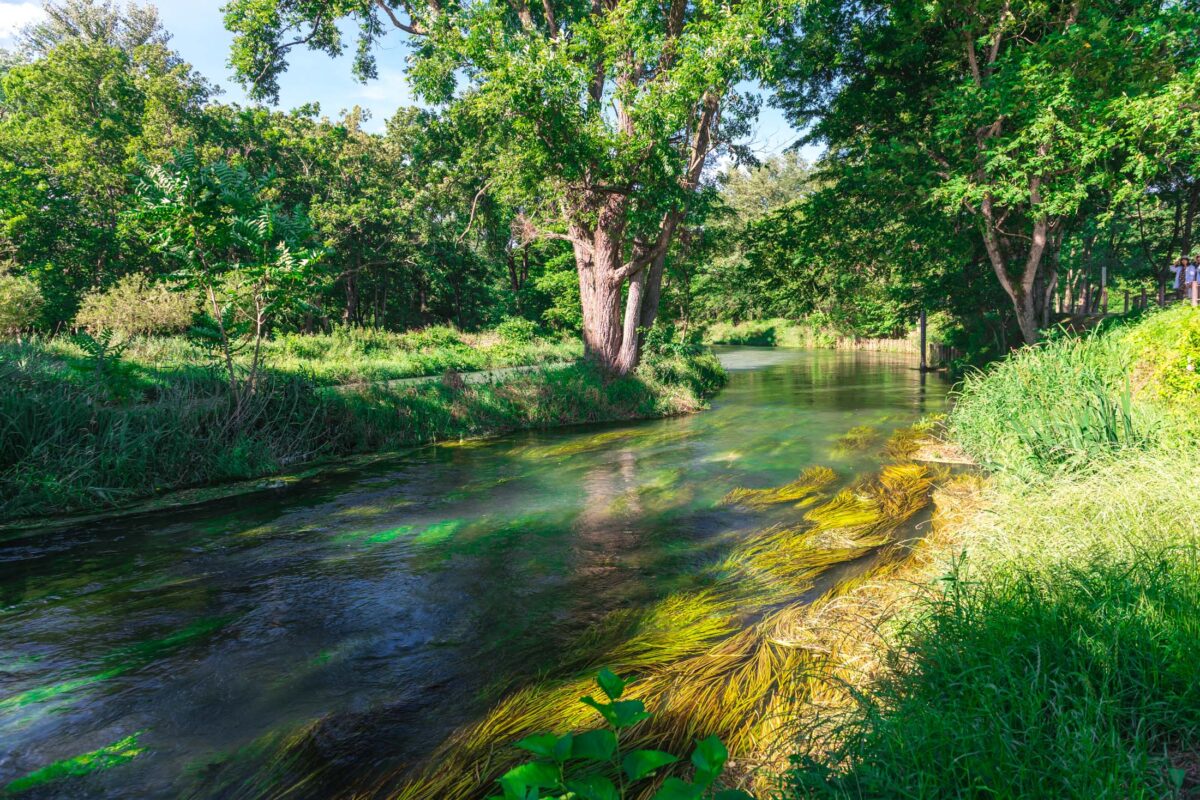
(610, 684)
(540, 744)
(628, 712)
(534, 775)
(709, 758)
(596, 745)
(676, 789)
(641, 763)
(593, 787)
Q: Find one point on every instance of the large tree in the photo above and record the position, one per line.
(594, 119)
(1019, 113)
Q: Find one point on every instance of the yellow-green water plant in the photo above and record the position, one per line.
(592, 765)
(710, 672)
(106, 757)
(856, 440)
(804, 489)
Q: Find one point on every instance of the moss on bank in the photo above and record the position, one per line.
(66, 445)
(1043, 642)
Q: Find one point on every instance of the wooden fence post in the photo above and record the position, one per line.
(1126, 311)
(924, 359)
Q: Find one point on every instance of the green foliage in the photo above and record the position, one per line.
(516, 330)
(591, 765)
(136, 306)
(1073, 683)
(20, 303)
(1070, 403)
(66, 446)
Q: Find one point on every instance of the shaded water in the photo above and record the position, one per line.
(400, 600)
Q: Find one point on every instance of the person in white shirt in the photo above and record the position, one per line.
(1189, 275)
(1177, 274)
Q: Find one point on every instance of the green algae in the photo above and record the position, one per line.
(439, 531)
(107, 757)
(121, 660)
(391, 535)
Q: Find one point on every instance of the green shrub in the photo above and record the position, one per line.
(517, 330)
(20, 303)
(136, 306)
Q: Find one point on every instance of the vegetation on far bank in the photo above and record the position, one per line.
(1053, 651)
(79, 432)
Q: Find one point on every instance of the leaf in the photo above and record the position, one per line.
(598, 745)
(610, 684)
(593, 787)
(534, 775)
(709, 758)
(641, 763)
(540, 744)
(628, 712)
(676, 789)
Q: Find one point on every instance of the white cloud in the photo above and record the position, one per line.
(14, 17)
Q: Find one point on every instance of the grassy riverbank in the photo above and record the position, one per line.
(800, 333)
(73, 438)
(1044, 643)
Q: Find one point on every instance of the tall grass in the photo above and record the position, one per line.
(347, 355)
(1057, 655)
(803, 333)
(67, 445)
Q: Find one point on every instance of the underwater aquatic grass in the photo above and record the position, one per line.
(805, 487)
(707, 672)
(107, 757)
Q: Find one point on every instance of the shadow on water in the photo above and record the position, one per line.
(330, 637)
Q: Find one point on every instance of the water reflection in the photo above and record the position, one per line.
(370, 613)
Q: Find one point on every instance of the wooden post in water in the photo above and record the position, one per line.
(924, 359)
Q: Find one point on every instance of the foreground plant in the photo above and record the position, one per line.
(591, 766)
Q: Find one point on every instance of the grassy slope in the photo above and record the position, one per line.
(1057, 655)
(67, 443)
(797, 333)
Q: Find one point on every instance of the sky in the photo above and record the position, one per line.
(198, 34)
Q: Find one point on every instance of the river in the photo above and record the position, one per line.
(393, 602)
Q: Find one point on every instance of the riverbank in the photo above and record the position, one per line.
(74, 440)
(801, 333)
(1041, 642)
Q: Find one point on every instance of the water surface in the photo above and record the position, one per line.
(396, 601)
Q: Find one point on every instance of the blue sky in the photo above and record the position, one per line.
(199, 36)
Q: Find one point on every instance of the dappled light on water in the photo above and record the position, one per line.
(390, 630)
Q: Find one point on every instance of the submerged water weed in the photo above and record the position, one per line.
(856, 440)
(593, 766)
(708, 672)
(106, 757)
(805, 488)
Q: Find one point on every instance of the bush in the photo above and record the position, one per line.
(20, 303)
(517, 330)
(135, 305)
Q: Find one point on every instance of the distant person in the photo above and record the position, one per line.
(1177, 270)
(1190, 275)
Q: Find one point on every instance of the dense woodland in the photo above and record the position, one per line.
(982, 160)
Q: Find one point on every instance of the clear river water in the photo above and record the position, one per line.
(166, 654)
